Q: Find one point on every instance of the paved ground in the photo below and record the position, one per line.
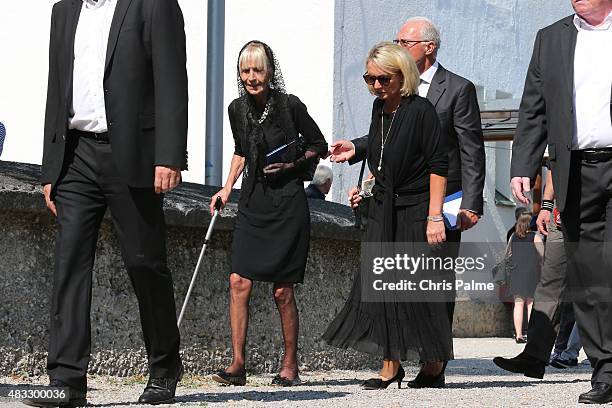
(472, 381)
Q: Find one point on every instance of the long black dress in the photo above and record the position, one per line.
(398, 330)
(272, 228)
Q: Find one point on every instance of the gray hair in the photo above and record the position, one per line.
(429, 31)
(322, 175)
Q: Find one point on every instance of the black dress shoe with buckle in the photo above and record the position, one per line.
(601, 393)
(76, 398)
(160, 390)
(223, 377)
(522, 364)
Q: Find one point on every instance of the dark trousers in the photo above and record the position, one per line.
(89, 183)
(549, 294)
(587, 221)
(566, 325)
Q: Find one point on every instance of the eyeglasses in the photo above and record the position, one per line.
(409, 43)
(384, 80)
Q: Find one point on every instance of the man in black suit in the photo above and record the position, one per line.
(320, 184)
(566, 104)
(115, 136)
(456, 104)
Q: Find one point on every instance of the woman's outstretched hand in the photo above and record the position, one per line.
(341, 151)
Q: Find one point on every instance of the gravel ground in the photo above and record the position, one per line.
(472, 381)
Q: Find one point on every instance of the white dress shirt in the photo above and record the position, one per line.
(88, 112)
(592, 84)
(426, 78)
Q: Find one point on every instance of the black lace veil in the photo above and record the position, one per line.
(277, 82)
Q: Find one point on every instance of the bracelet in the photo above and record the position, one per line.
(435, 218)
(548, 205)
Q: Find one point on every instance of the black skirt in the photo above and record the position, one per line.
(271, 241)
(394, 330)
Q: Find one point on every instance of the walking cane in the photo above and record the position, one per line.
(218, 205)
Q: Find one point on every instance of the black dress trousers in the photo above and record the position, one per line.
(88, 184)
(587, 227)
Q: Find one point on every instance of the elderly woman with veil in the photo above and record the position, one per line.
(272, 229)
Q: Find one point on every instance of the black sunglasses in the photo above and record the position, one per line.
(371, 79)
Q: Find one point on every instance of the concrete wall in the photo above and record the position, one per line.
(26, 270)
(299, 32)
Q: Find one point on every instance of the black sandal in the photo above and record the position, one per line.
(286, 382)
(226, 378)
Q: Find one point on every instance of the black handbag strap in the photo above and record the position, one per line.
(358, 221)
(363, 163)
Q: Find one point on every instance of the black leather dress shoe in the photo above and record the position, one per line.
(160, 390)
(76, 398)
(601, 393)
(522, 364)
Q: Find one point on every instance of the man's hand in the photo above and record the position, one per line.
(542, 221)
(341, 151)
(466, 220)
(166, 178)
(48, 201)
(520, 186)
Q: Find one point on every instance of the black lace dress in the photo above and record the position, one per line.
(272, 229)
(398, 329)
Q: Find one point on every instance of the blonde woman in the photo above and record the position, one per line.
(409, 164)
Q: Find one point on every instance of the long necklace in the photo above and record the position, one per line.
(383, 137)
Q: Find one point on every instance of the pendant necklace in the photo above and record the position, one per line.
(383, 137)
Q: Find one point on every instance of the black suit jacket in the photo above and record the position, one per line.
(456, 104)
(145, 88)
(546, 113)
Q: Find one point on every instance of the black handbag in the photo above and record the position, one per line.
(361, 212)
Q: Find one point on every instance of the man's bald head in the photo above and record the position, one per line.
(421, 38)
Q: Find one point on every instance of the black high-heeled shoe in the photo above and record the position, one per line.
(380, 384)
(427, 381)
(226, 378)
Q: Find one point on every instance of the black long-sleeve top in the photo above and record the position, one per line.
(412, 153)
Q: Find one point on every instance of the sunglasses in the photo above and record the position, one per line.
(384, 80)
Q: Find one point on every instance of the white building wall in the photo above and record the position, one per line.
(301, 33)
(487, 41)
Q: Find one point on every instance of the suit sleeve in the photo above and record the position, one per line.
(466, 121)
(52, 105)
(170, 81)
(531, 132)
(435, 152)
